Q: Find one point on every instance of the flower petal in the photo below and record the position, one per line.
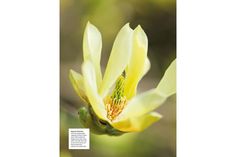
(76, 80)
(150, 100)
(119, 58)
(147, 66)
(91, 90)
(92, 46)
(142, 104)
(136, 66)
(167, 85)
(137, 123)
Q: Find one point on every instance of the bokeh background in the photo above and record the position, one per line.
(158, 19)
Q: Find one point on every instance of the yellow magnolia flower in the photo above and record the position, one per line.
(113, 105)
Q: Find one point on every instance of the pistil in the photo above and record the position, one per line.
(117, 101)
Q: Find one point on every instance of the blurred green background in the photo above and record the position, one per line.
(158, 19)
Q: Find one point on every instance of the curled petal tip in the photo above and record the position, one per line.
(88, 22)
(127, 25)
(139, 27)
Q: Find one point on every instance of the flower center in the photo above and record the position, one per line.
(117, 101)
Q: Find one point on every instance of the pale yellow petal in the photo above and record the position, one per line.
(167, 85)
(91, 90)
(147, 66)
(119, 58)
(142, 104)
(92, 46)
(136, 66)
(76, 80)
(137, 123)
(150, 100)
